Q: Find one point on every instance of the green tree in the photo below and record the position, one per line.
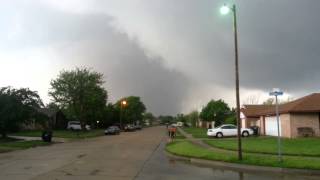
(166, 119)
(111, 116)
(231, 118)
(132, 111)
(148, 116)
(193, 117)
(215, 111)
(181, 118)
(80, 94)
(18, 106)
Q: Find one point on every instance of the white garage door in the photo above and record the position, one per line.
(271, 126)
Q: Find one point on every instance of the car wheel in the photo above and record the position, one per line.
(245, 134)
(219, 135)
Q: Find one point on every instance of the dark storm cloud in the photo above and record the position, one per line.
(88, 40)
(175, 54)
(128, 71)
(280, 44)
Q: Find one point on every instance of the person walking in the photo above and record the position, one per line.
(172, 132)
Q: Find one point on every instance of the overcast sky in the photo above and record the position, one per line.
(176, 55)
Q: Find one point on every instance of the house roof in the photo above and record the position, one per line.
(254, 111)
(310, 103)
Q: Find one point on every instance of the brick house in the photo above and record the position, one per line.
(298, 118)
(205, 124)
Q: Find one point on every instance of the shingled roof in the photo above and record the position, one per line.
(255, 111)
(310, 103)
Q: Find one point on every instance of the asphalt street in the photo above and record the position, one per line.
(136, 155)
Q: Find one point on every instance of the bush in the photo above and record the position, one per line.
(231, 120)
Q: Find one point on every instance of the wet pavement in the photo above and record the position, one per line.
(161, 167)
(136, 155)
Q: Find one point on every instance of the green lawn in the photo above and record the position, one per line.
(268, 145)
(197, 132)
(63, 133)
(10, 144)
(187, 149)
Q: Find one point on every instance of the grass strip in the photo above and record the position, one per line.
(187, 149)
(63, 133)
(6, 145)
(268, 145)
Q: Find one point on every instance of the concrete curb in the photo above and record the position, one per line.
(243, 167)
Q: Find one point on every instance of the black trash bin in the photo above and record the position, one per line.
(46, 136)
(255, 130)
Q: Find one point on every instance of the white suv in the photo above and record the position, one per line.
(228, 130)
(75, 125)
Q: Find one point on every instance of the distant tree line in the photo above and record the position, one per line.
(215, 110)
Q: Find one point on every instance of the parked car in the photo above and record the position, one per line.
(129, 127)
(138, 127)
(179, 124)
(112, 130)
(175, 125)
(228, 130)
(75, 125)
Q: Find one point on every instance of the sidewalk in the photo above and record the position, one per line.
(199, 142)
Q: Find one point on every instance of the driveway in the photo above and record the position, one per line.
(129, 156)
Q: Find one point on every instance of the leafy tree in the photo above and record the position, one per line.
(193, 117)
(111, 116)
(80, 94)
(215, 111)
(18, 106)
(166, 119)
(148, 116)
(132, 111)
(231, 120)
(181, 118)
(52, 106)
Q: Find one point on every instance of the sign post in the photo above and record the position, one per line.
(276, 92)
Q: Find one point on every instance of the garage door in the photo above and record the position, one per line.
(271, 126)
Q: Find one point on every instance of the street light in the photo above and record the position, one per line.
(276, 92)
(123, 103)
(225, 10)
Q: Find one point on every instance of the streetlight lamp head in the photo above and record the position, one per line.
(275, 90)
(124, 102)
(224, 9)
